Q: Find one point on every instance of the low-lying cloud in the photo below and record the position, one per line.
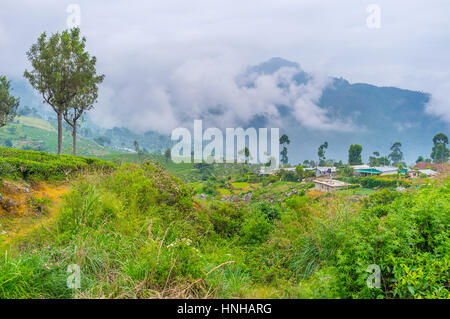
(209, 89)
(167, 62)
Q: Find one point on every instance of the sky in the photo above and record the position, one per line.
(170, 62)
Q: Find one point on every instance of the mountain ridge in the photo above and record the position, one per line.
(381, 115)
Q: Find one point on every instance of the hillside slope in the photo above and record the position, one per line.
(31, 133)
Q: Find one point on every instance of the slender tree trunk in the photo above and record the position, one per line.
(59, 133)
(74, 136)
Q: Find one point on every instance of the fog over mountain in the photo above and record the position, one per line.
(170, 62)
(310, 108)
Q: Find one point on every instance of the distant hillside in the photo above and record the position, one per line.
(30, 133)
(151, 142)
(119, 139)
(380, 116)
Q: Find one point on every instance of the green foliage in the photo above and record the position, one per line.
(63, 72)
(8, 103)
(139, 233)
(354, 154)
(41, 165)
(270, 211)
(379, 202)
(376, 160)
(373, 181)
(300, 172)
(321, 153)
(287, 176)
(284, 141)
(396, 155)
(416, 224)
(420, 159)
(39, 205)
(209, 188)
(255, 229)
(227, 218)
(422, 275)
(347, 170)
(440, 153)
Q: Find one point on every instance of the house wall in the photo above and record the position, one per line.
(326, 188)
(389, 172)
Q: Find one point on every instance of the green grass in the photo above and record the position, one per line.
(240, 185)
(357, 191)
(185, 171)
(42, 165)
(140, 233)
(36, 134)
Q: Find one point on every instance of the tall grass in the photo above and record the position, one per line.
(136, 233)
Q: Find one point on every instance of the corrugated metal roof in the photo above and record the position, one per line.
(427, 171)
(331, 182)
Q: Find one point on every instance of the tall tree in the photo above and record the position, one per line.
(167, 154)
(284, 141)
(420, 159)
(60, 71)
(396, 154)
(84, 101)
(87, 94)
(321, 153)
(354, 154)
(8, 103)
(440, 152)
(137, 149)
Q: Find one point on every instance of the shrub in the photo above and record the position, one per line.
(41, 165)
(255, 229)
(268, 210)
(372, 181)
(227, 218)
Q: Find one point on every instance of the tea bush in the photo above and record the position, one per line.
(41, 165)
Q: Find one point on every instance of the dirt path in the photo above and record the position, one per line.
(25, 207)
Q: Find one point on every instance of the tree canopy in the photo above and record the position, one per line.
(63, 72)
(396, 155)
(321, 153)
(284, 141)
(8, 103)
(440, 153)
(354, 154)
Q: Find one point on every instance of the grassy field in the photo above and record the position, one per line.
(188, 172)
(36, 134)
(137, 231)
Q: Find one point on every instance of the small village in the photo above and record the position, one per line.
(325, 181)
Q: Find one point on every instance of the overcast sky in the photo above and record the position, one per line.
(170, 60)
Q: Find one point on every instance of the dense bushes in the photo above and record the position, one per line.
(227, 218)
(41, 165)
(410, 242)
(372, 181)
(139, 233)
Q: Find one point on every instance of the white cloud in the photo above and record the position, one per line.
(439, 104)
(208, 89)
(168, 61)
(304, 100)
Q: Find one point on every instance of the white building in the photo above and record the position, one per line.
(329, 185)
